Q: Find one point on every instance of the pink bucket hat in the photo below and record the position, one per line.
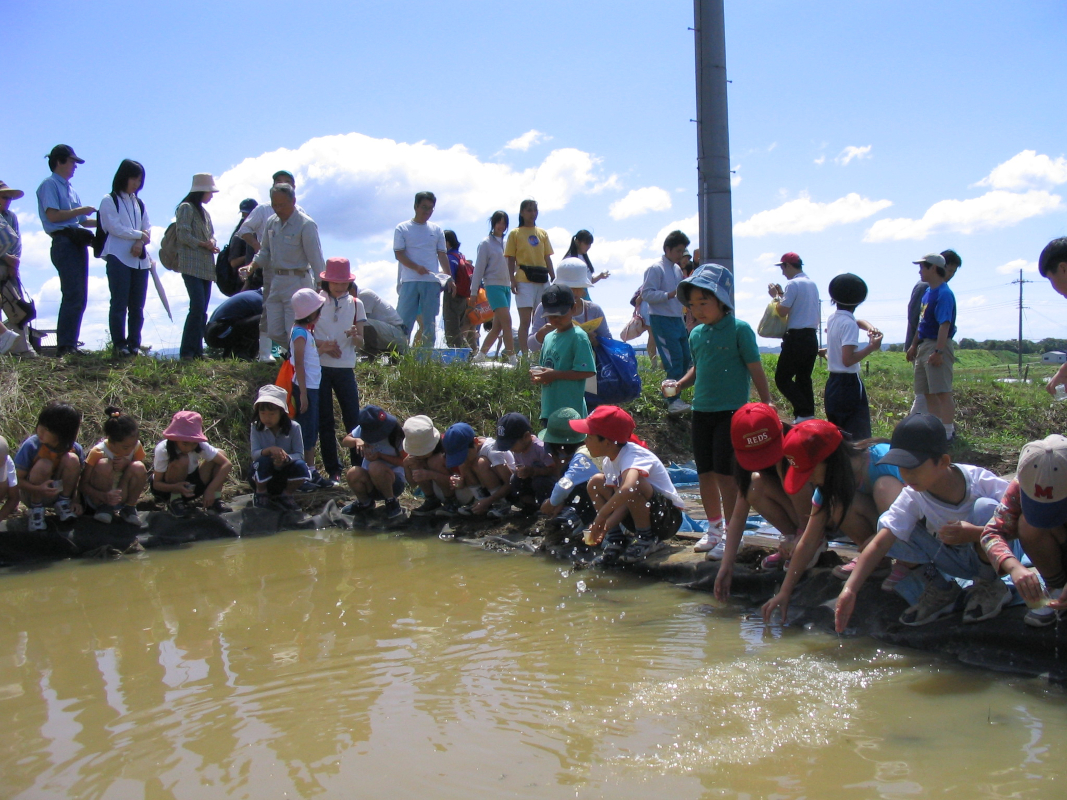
(306, 302)
(185, 426)
(338, 270)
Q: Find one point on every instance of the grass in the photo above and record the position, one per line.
(994, 419)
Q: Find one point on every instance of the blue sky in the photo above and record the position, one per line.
(863, 135)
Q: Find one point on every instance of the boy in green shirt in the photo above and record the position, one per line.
(566, 358)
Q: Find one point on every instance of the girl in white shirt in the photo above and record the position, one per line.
(124, 219)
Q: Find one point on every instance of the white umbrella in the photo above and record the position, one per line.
(159, 288)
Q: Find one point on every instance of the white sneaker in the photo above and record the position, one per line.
(798, 420)
(717, 552)
(513, 360)
(678, 406)
(710, 539)
(36, 520)
(266, 346)
(479, 357)
(7, 341)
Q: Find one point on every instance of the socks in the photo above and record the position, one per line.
(644, 533)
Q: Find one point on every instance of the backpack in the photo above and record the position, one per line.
(226, 277)
(464, 273)
(100, 235)
(168, 248)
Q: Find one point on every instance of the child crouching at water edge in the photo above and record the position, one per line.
(185, 467)
(634, 489)
(115, 473)
(48, 465)
(480, 474)
(424, 465)
(277, 445)
(9, 482)
(535, 469)
(937, 520)
(378, 439)
(568, 505)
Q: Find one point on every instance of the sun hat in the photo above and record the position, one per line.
(7, 191)
(609, 422)
(933, 259)
(248, 205)
(573, 272)
(203, 182)
(558, 429)
(711, 278)
(509, 429)
(420, 436)
(556, 300)
(1042, 477)
(306, 302)
(792, 259)
(916, 438)
(274, 395)
(806, 446)
(185, 426)
(375, 424)
(338, 270)
(848, 289)
(458, 441)
(756, 434)
(61, 152)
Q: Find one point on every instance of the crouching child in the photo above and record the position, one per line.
(480, 474)
(277, 444)
(48, 465)
(9, 482)
(535, 468)
(633, 493)
(380, 476)
(568, 506)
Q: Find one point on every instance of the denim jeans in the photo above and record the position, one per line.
(72, 263)
(129, 287)
(672, 344)
(307, 420)
(196, 320)
(342, 382)
(420, 298)
(954, 561)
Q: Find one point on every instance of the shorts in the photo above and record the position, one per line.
(529, 294)
(277, 478)
(199, 487)
(930, 379)
(399, 483)
(665, 517)
(713, 450)
(540, 486)
(498, 296)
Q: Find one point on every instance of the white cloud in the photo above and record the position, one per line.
(804, 215)
(1013, 267)
(996, 209)
(820, 160)
(852, 152)
(976, 301)
(527, 140)
(641, 201)
(1027, 170)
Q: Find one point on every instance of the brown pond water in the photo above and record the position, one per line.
(341, 666)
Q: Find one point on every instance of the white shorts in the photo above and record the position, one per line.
(529, 294)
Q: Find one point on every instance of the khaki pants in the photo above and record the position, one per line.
(278, 306)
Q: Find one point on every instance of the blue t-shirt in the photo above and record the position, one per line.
(938, 307)
(579, 470)
(874, 472)
(31, 449)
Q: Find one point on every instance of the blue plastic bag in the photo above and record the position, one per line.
(617, 381)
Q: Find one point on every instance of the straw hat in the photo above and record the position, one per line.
(7, 191)
(203, 182)
(420, 436)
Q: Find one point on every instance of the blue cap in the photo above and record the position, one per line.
(375, 424)
(510, 429)
(458, 440)
(248, 205)
(712, 278)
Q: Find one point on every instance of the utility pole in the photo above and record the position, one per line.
(713, 135)
(1021, 282)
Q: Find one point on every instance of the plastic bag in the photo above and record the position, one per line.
(772, 326)
(480, 310)
(616, 373)
(285, 380)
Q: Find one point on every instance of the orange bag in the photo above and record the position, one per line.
(285, 380)
(480, 311)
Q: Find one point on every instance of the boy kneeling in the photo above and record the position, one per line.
(634, 489)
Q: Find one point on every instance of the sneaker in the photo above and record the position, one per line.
(896, 575)
(798, 420)
(466, 510)
(7, 341)
(260, 500)
(286, 501)
(449, 507)
(717, 553)
(104, 513)
(128, 514)
(428, 508)
(773, 561)
(64, 510)
(985, 599)
(179, 508)
(678, 406)
(309, 486)
(935, 602)
(356, 507)
(512, 359)
(711, 539)
(842, 571)
(394, 511)
(612, 548)
(219, 507)
(817, 554)
(640, 548)
(500, 510)
(1041, 617)
(36, 521)
(566, 521)
(479, 357)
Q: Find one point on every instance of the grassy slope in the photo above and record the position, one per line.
(994, 419)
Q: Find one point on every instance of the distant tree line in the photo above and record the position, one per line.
(1011, 345)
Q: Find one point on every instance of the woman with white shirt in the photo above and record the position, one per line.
(492, 272)
(124, 219)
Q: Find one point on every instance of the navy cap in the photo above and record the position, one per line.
(510, 429)
(917, 438)
(247, 205)
(61, 152)
(557, 299)
(458, 440)
(375, 424)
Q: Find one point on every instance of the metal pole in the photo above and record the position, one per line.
(1020, 324)
(713, 135)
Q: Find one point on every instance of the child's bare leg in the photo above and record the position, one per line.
(598, 492)
(638, 503)
(1045, 547)
(70, 470)
(132, 483)
(359, 481)
(382, 478)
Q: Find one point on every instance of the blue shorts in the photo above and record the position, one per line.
(498, 296)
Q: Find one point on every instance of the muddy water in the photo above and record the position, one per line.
(339, 666)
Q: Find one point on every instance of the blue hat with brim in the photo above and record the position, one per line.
(458, 440)
(375, 424)
(713, 278)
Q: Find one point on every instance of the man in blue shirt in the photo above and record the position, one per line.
(65, 219)
(933, 351)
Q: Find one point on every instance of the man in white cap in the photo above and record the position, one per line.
(933, 350)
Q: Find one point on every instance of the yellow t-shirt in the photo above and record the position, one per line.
(529, 247)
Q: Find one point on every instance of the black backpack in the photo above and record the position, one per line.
(226, 277)
(100, 235)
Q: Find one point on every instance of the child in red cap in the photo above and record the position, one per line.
(634, 489)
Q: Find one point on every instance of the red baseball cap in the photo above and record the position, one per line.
(756, 434)
(611, 422)
(792, 259)
(806, 446)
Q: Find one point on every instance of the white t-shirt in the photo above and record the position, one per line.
(10, 476)
(312, 366)
(841, 330)
(161, 460)
(912, 507)
(421, 242)
(497, 457)
(802, 300)
(634, 456)
(336, 318)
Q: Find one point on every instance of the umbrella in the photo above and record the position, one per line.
(159, 288)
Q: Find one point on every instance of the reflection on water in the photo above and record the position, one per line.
(342, 666)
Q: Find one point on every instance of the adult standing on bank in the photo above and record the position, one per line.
(491, 270)
(291, 256)
(125, 221)
(65, 219)
(799, 302)
(10, 285)
(196, 260)
(952, 263)
(420, 249)
(529, 255)
(660, 290)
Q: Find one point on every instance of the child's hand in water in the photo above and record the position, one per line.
(846, 604)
